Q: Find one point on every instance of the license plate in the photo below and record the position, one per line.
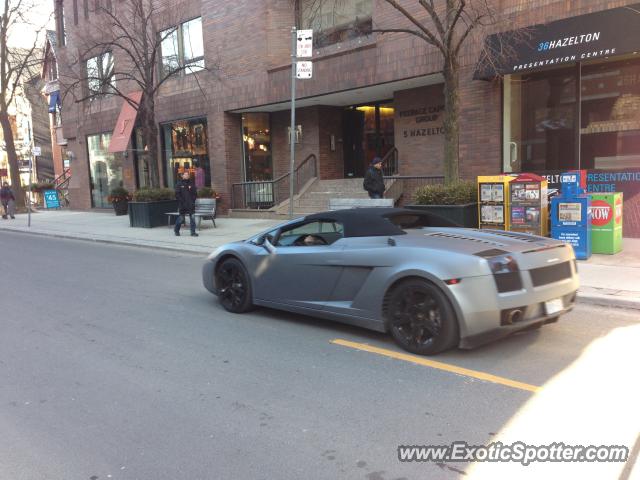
(553, 306)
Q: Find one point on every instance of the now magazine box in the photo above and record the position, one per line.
(606, 222)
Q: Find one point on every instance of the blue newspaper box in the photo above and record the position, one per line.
(570, 215)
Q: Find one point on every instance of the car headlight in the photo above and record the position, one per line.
(503, 264)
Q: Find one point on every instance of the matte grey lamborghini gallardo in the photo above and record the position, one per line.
(431, 286)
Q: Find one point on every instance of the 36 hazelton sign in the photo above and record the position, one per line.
(595, 35)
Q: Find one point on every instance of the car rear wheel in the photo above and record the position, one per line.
(420, 318)
(233, 285)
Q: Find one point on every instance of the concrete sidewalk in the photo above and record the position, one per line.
(612, 280)
(107, 228)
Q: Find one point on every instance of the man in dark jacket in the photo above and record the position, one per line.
(186, 195)
(374, 180)
(7, 199)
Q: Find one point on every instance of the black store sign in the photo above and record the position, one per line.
(594, 35)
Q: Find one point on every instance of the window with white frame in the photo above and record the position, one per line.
(101, 78)
(182, 48)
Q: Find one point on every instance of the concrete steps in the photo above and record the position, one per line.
(314, 198)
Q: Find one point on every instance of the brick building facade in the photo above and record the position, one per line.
(391, 79)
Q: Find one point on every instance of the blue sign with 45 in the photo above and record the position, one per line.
(51, 199)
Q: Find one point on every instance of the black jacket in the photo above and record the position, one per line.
(6, 194)
(186, 195)
(373, 181)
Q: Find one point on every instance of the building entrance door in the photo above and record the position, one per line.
(367, 133)
(353, 125)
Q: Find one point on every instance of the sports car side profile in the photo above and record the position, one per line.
(432, 286)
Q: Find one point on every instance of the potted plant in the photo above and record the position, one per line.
(457, 202)
(38, 189)
(208, 192)
(149, 207)
(119, 197)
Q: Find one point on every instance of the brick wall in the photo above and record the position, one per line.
(418, 130)
(247, 49)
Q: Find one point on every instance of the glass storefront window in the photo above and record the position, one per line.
(186, 147)
(105, 169)
(256, 137)
(610, 115)
(336, 21)
(539, 121)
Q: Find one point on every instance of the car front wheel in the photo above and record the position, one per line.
(420, 318)
(233, 286)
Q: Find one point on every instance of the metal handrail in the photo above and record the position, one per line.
(404, 186)
(390, 162)
(267, 193)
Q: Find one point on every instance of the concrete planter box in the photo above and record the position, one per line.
(151, 214)
(463, 215)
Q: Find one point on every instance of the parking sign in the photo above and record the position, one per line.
(305, 44)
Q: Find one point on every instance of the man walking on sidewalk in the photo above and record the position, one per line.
(8, 201)
(374, 180)
(186, 195)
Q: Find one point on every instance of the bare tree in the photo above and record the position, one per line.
(128, 32)
(17, 65)
(446, 25)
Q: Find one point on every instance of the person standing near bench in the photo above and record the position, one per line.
(374, 180)
(8, 201)
(186, 194)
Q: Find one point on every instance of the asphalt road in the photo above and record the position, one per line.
(115, 363)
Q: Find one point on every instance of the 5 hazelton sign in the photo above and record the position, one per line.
(423, 115)
(585, 37)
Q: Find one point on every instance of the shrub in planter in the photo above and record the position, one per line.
(153, 194)
(150, 205)
(456, 202)
(208, 192)
(119, 197)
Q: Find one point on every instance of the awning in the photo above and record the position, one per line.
(125, 123)
(54, 101)
(594, 35)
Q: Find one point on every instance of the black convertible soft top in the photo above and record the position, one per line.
(380, 221)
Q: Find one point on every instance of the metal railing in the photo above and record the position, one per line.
(390, 163)
(62, 186)
(266, 194)
(403, 188)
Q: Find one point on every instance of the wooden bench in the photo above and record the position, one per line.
(344, 203)
(205, 209)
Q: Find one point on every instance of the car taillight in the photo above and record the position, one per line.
(503, 264)
(506, 273)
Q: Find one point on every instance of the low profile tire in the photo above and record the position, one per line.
(233, 285)
(420, 318)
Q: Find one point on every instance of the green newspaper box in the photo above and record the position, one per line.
(606, 222)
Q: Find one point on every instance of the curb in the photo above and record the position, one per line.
(608, 301)
(169, 248)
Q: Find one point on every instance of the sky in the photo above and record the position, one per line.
(40, 15)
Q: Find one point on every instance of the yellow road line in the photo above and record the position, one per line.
(487, 377)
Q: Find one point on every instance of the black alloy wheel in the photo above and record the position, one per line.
(420, 318)
(234, 288)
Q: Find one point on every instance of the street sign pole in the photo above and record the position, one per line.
(292, 135)
(29, 196)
